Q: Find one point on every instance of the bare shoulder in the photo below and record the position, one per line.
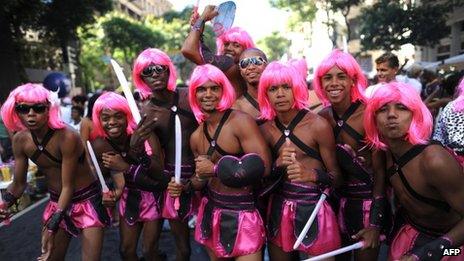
(241, 119)
(326, 113)
(436, 158)
(21, 136)
(317, 123)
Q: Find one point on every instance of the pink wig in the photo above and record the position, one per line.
(459, 101)
(277, 73)
(422, 122)
(30, 93)
(147, 57)
(300, 65)
(115, 102)
(345, 62)
(200, 76)
(234, 34)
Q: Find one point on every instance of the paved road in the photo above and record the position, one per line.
(21, 241)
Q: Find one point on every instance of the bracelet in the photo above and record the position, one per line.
(9, 199)
(198, 25)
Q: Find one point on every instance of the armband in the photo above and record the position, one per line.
(53, 223)
(377, 212)
(432, 251)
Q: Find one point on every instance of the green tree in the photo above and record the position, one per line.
(274, 46)
(344, 7)
(130, 37)
(16, 17)
(389, 24)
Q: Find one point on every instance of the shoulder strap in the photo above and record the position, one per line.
(252, 100)
(342, 124)
(41, 146)
(213, 141)
(287, 132)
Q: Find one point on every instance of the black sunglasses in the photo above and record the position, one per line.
(257, 60)
(153, 68)
(24, 108)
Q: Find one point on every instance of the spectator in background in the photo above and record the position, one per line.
(86, 123)
(79, 100)
(387, 66)
(77, 113)
(450, 126)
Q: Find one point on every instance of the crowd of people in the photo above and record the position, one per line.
(252, 161)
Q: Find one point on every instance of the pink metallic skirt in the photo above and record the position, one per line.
(189, 201)
(405, 241)
(138, 205)
(229, 225)
(85, 211)
(289, 210)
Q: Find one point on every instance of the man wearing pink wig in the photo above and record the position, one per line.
(75, 194)
(139, 181)
(229, 47)
(154, 75)
(231, 158)
(303, 150)
(426, 179)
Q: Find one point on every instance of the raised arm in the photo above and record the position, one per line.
(191, 48)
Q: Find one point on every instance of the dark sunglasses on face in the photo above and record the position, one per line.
(244, 63)
(153, 68)
(24, 108)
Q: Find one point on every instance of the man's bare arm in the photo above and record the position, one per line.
(71, 149)
(326, 141)
(445, 174)
(19, 183)
(251, 139)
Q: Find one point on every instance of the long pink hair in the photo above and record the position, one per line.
(115, 102)
(300, 65)
(234, 34)
(30, 93)
(147, 57)
(459, 101)
(345, 62)
(277, 73)
(200, 76)
(422, 122)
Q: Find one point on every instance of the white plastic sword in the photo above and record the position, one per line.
(178, 159)
(311, 219)
(97, 167)
(129, 97)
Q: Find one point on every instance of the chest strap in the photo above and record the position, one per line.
(287, 132)
(341, 123)
(397, 168)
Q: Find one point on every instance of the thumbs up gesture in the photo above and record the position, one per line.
(287, 154)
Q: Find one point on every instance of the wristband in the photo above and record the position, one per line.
(9, 199)
(432, 251)
(53, 222)
(377, 212)
(198, 25)
(324, 179)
